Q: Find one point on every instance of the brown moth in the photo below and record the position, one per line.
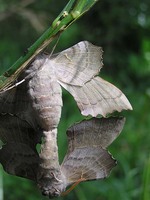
(38, 100)
(86, 158)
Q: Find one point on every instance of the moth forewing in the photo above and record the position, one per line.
(87, 158)
(77, 69)
(87, 163)
(19, 160)
(15, 130)
(18, 154)
(94, 132)
(79, 63)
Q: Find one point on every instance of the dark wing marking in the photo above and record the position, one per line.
(19, 160)
(18, 155)
(13, 129)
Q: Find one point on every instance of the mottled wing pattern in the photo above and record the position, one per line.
(78, 64)
(18, 154)
(98, 96)
(87, 158)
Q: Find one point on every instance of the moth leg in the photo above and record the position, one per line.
(73, 186)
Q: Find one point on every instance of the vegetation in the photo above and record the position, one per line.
(122, 28)
(71, 12)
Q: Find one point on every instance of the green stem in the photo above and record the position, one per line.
(146, 181)
(72, 11)
(1, 184)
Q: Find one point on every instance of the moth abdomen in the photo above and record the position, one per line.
(46, 100)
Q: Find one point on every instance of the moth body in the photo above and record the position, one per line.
(33, 110)
(53, 184)
(46, 100)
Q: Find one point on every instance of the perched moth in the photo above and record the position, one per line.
(38, 99)
(86, 158)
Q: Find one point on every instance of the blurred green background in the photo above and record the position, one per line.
(122, 28)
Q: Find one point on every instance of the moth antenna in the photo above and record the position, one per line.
(72, 187)
(54, 47)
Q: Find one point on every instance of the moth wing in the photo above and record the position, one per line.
(98, 96)
(13, 129)
(18, 154)
(14, 100)
(78, 64)
(88, 163)
(20, 160)
(87, 158)
(95, 132)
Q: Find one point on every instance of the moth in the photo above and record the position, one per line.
(86, 159)
(38, 99)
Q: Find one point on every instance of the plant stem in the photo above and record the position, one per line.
(72, 11)
(146, 181)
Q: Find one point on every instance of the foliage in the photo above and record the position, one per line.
(122, 28)
(71, 12)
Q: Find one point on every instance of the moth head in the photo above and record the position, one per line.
(52, 185)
